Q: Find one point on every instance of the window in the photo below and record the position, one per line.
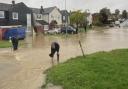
(2, 14)
(39, 17)
(15, 15)
(64, 18)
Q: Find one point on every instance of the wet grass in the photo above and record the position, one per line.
(102, 70)
(5, 44)
(82, 30)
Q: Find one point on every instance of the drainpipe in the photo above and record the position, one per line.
(65, 18)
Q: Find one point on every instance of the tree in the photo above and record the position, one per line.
(96, 19)
(53, 24)
(77, 18)
(124, 14)
(104, 15)
(117, 11)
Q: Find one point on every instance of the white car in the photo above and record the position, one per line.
(54, 31)
(117, 23)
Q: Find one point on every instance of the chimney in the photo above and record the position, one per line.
(13, 2)
(41, 10)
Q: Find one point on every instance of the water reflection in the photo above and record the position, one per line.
(34, 56)
(92, 40)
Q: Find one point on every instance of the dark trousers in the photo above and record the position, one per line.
(15, 44)
(54, 50)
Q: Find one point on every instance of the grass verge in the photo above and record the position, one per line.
(5, 44)
(102, 70)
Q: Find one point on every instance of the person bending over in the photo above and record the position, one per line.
(54, 48)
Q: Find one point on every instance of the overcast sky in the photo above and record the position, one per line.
(92, 5)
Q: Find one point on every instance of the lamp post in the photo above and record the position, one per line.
(65, 4)
(65, 18)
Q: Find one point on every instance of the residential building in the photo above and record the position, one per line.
(89, 18)
(4, 13)
(65, 17)
(15, 14)
(48, 14)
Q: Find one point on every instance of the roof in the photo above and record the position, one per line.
(49, 10)
(37, 24)
(35, 10)
(42, 22)
(4, 7)
(15, 23)
(20, 7)
(46, 10)
(64, 12)
(17, 7)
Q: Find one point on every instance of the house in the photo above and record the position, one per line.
(65, 17)
(15, 14)
(95, 18)
(40, 26)
(89, 19)
(48, 14)
(4, 14)
(39, 23)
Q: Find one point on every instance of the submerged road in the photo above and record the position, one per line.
(24, 68)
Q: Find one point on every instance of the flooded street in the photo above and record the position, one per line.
(24, 68)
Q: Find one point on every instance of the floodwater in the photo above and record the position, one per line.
(24, 68)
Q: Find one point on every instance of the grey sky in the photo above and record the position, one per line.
(92, 5)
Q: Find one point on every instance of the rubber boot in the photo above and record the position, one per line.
(58, 58)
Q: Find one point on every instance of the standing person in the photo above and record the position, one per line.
(14, 41)
(54, 48)
(77, 29)
(85, 27)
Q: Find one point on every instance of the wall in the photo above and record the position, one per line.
(67, 20)
(22, 10)
(46, 18)
(4, 21)
(55, 15)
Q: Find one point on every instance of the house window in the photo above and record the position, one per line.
(39, 17)
(2, 14)
(15, 15)
(64, 18)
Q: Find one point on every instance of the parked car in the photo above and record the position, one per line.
(54, 31)
(121, 20)
(117, 23)
(68, 29)
(111, 24)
